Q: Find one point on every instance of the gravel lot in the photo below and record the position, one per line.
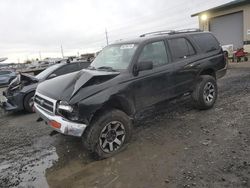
(173, 145)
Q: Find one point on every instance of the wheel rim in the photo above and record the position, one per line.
(209, 92)
(112, 136)
(31, 103)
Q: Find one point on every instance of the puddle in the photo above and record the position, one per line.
(28, 171)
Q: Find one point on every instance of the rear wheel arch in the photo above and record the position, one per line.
(208, 71)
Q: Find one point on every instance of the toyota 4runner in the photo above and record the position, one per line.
(99, 103)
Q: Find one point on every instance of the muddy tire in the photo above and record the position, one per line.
(108, 134)
(205, 93)
(28, 102)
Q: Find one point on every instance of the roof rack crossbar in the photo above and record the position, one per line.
(158, 33)
(188, 30)
(171, 32)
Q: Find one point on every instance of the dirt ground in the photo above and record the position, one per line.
(173, 145)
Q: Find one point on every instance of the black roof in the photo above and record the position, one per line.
(229, 5)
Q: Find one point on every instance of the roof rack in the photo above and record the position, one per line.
(171, 32)
(158, 33)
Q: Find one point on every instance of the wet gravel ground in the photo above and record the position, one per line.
(174, 145)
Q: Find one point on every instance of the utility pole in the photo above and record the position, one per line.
(40, 55)
(107, 38)
(62, 51)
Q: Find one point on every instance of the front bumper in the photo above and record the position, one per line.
(13, 102)
(66, 127)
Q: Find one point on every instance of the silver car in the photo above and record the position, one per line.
(6, 76)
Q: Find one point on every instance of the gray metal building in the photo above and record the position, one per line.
(229, 22)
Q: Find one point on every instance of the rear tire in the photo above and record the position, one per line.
(205, 93)
(108, 134)
(28, 102)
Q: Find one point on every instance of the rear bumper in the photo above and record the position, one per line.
(66, 127)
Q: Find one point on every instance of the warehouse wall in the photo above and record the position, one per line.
(246, 21)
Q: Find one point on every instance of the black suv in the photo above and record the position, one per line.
(99, 103)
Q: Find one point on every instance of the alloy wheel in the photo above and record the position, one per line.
(209, 92)
(112, 136)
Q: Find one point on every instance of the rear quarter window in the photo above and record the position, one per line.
(180, 48)
(206, 41)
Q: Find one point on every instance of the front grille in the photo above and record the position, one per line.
(44, 103)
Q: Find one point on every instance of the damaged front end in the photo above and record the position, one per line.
(60, 101)
(15, 93)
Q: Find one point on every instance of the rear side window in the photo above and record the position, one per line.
(68, 68)
(84, 65)
(180, 48)
(207, 42)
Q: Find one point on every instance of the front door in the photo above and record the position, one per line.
(151, 86)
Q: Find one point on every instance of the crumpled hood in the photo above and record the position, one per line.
(25, 79)
(28, 78)
(66, 86)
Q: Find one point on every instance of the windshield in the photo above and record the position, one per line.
(47, 71)
(115, 57)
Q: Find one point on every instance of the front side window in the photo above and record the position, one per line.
(117, 56)
(180, 48)
(155, 52)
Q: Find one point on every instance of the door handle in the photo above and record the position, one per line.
(192, 65)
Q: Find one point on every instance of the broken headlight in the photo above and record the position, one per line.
(64, 106)
(67, 111)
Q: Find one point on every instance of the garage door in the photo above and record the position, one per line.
(228, 29)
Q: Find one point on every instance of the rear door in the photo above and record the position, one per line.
(183, 55)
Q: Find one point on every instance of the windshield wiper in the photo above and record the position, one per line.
(106, 68)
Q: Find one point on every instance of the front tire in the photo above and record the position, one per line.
(108, 134)
(205, 93)
(28, 102)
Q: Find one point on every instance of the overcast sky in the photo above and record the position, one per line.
(30, 26)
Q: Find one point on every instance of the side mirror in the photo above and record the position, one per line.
(52, 76)
(143, 65)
